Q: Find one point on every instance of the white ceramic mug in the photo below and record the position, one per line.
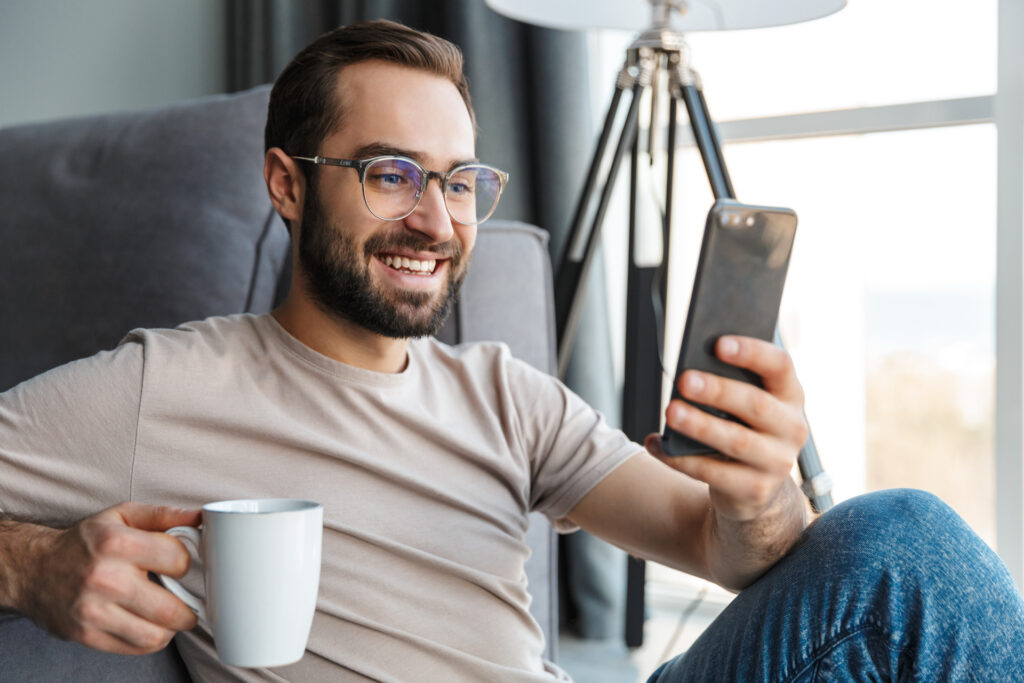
(261, 565)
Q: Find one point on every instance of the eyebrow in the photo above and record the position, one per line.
(377, 149)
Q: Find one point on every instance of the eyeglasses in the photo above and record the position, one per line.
(394, 185)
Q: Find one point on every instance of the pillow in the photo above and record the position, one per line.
(139, 219)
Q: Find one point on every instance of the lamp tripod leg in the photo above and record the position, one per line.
(573, 269)
(641, 406)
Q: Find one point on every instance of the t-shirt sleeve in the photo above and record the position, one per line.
(67, 437)
(570, 445)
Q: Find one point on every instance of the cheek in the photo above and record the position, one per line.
(352, 221)
(341, 197)
(467, 236)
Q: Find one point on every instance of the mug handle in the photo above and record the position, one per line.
(192, 538)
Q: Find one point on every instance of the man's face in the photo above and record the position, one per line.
(351, 259)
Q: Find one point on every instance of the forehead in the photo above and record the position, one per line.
(401, 107)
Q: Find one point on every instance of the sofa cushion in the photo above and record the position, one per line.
(140, 219)
(28, 654)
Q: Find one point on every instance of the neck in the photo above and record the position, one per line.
(340, 339)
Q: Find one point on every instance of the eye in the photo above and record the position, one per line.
(459, 188)
(389, 179)
(392, 175)
(462, 185)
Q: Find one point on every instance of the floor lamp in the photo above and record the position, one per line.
(656, 62)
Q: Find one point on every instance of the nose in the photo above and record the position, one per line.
(431, 217)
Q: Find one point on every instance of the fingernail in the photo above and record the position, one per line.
(678, 412)
(694, 382)
(728, 346)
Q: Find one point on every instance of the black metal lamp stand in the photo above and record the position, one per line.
(658, 56)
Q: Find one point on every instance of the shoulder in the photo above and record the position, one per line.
(214, 351)
(215, 334)
(488, 371)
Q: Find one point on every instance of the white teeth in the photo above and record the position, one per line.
(413, 265)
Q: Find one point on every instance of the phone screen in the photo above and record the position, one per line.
(738, 287)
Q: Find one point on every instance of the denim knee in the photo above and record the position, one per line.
(903, 521)
(893, 582)
(889, 503)
(907, 540)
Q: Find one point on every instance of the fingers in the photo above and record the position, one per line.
(763, 412)
(122, 632)
(158, 606)
(130, 589)
(112, 535)
(117, 599)
(774, 413)
(103, 597)
(737, 490)
(771, 362)
(741, 481)
(763, 449)
(753, 405)
(156, 517)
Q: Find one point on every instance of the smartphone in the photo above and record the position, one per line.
(741, 271)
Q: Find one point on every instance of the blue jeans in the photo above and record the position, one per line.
(887, 586)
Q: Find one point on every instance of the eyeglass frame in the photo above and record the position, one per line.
(442, 178)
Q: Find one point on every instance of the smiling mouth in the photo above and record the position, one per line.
(407, 265)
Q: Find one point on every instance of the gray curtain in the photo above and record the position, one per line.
(529, 86)
(530, 91)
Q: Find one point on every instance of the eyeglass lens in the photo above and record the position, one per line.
(391, 189)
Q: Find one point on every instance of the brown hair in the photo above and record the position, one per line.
(304, 108)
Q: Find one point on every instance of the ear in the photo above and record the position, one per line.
(285, 184)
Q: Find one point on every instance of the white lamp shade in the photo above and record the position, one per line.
(635, 15)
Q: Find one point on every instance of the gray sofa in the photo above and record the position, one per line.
(156, 217)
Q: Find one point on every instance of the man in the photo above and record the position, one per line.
(428, 458)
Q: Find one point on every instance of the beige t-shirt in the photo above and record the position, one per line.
(426, 477)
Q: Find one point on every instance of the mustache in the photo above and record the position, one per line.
(405, 240)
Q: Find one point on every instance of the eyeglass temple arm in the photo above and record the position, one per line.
(326, 161)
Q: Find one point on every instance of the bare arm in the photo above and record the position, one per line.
(19, 542)
(89, 583)
(728, 520)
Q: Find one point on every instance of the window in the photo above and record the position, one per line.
(873, 52)
(877, 125)
(889, 305)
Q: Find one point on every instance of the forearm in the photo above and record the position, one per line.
(738, 552)
(21, 544)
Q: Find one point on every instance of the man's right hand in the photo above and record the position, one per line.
(89, 583)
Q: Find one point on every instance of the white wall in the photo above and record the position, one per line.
(62, 58)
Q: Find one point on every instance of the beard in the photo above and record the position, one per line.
(338, 273)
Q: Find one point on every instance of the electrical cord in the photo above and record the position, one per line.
(683, 618)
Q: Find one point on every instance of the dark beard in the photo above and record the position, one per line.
(340, 284)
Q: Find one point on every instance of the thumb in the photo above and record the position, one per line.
(653, 445)
(156, 517)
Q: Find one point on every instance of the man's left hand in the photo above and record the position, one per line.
(761, 451)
